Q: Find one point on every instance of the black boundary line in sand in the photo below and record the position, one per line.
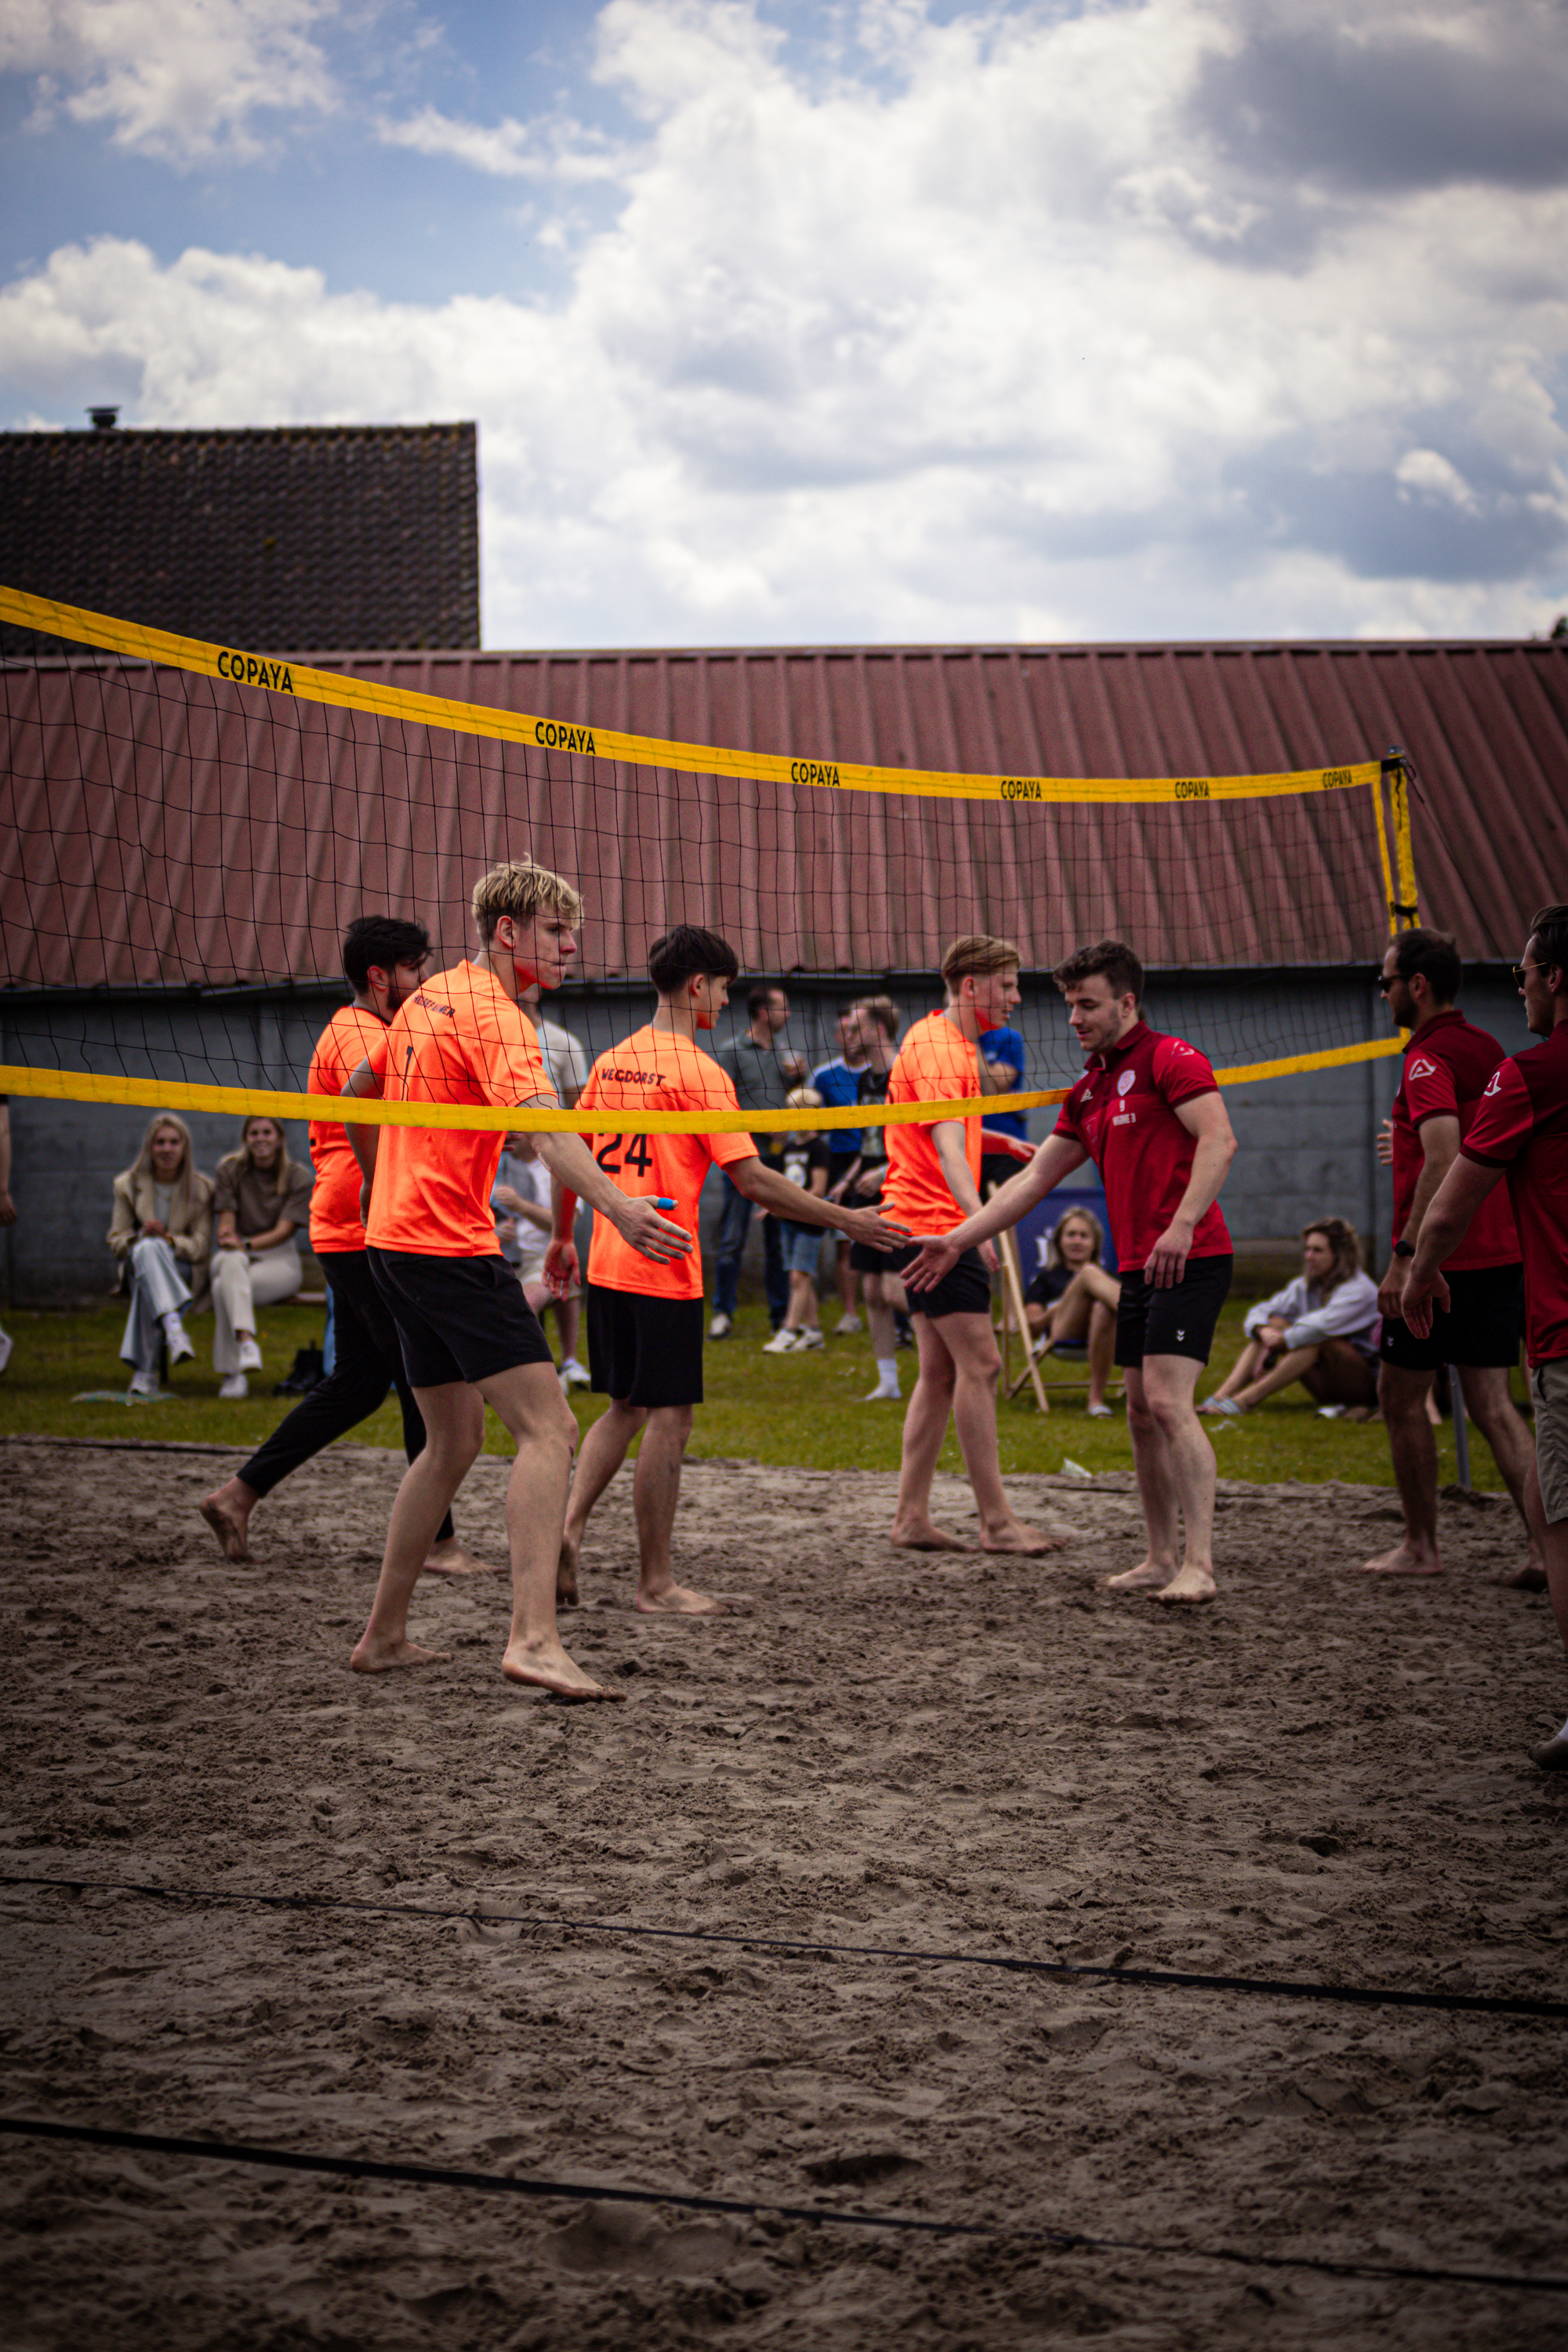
(432, 2176)
(1363, 1995)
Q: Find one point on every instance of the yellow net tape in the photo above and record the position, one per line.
(277, 675)
(243, 1102)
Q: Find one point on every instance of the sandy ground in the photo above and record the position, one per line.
(1323, 1777)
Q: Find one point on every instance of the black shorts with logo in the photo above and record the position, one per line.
(459, 1318)
(645, 1351)
(967, 1290)
(1480, 1328)
(1175, 1322)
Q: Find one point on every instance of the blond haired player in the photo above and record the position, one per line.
(468, 1336)
(933, 1184)
(645, 1319)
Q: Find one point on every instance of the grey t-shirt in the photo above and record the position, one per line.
(250, 1196)
(761, 1083)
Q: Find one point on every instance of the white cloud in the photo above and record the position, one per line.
(562, 151)
(180, 79)
(996, 343)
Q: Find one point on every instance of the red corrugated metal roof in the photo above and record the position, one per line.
(162, 828)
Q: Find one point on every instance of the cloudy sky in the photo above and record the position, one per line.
(873, 319)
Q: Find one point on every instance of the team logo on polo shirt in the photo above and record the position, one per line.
(1124, 1083)
(1494, 1081)
(1423, 1069)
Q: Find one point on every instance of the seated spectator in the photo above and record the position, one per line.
(1072, 1301)
(159, 1229)
(806, 1161)
(521, 1202)
(1321, 1329)
(261, 1198)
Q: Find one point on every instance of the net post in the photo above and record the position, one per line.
(1404, 896)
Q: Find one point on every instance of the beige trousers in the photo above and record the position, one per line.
(241, 1285)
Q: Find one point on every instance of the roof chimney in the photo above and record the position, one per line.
(104, 420)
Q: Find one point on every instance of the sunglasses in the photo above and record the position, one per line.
(1519, 970)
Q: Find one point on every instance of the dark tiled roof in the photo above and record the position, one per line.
(357, 537)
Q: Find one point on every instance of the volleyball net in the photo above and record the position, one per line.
(187, 829)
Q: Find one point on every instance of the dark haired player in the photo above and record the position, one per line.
(644, 1320)
(1448, 1064)
(468, 1336)
(1521, 1127)
(1148, 1112)
(383, 960)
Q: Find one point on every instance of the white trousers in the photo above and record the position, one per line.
(241, 1285)
(158, 1287)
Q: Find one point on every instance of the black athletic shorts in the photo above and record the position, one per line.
(839, 1163)
(1480, 1328)
(459, 1318)
(966, 1291)
(1175, 1322)
(644, 1351)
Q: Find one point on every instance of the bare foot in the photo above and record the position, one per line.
(1530, 1576)
(679, 1601)
(1404, 1560)
(373, 1654)
(566, 1571)
(1189, 1583)
(1014, 1536)
(924, 1534)
(228, 1520)
(1147, 1576)
(544, 1665)
(453, 1558)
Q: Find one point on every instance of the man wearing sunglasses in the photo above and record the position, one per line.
(1522, 1129)
(1448, 1064)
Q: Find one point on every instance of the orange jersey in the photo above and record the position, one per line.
(353, 1033)
(656, 1071)
(458, 1039)
(936, 1063)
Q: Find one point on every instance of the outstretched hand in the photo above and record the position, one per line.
(870, 1227)
(937, 1257)
(1420, 1298)
(651, 1235)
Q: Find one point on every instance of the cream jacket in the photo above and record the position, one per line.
(134, 1206)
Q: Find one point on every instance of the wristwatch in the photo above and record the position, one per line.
(1403, 1249)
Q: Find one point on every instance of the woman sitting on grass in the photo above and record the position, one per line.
(261, 1197)
(1321, 1329)
(161, 1227)
(1072, 1301)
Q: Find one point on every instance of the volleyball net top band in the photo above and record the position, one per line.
(584, 764)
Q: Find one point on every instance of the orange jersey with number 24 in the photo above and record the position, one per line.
(656, 1071)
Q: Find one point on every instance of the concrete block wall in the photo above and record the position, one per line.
(1308, 1142)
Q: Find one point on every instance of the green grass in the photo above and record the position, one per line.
(782, 1410)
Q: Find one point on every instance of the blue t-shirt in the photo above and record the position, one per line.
(837, 1085)
(1005, 1045)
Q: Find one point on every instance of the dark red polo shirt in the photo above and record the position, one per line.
(1521, 1124)
(1123, 1112)
(1447, 1065)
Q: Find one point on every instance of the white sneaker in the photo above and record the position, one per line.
(237, 1385)
(179, 1340)
(144, 1384)
(809, 1336)
(783, 1343)
(574, 1376)
(5, 1349)
(1100, 1412)
(883, 1396)
(847, 1326)
(250, 1356)
(721, 1328)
